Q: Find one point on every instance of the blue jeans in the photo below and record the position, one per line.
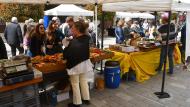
(170, 56)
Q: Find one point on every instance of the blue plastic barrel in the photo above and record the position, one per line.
(112, 74)
(46, 21)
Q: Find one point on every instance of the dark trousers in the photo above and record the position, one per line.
(170, 56)
(14, 47)
(182, 50)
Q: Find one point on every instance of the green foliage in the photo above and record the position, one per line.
(174, 16)
(21, 11)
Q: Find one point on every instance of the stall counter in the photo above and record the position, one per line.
(21, 84)
(143, 63)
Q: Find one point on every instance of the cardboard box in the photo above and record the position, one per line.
(62, 96)
(128, 49)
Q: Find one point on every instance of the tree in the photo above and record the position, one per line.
(21, 11)
(107, 15)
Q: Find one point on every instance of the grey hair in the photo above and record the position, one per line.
(30, 20)
(41, 21)
(14, 19)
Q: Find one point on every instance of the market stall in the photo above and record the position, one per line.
(25, 74)
(143, 61)
(153, 5)
(137, 59)
(55, 63)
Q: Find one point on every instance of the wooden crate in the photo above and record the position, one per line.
(51, 67)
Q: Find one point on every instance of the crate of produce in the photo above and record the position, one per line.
(51, 67)
(97, 55)
(49, 63)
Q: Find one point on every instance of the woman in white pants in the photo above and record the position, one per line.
(78, 64)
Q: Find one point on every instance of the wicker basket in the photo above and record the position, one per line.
(102, 56)
(51, 67)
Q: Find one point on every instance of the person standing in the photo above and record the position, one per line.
(25, 27)
(59, 35)
(136, 27)
(53, 41)
(127, 28)
(163, 32)
(119, 32)
(3, 51)
(66, 27)
(78, 64)
(37, 40)
(183, 41)
(13, 36)
(27, 39)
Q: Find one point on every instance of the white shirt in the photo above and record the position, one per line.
(145, 26)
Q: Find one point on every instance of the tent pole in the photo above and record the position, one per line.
(96, 22)
(155, 18)
(163, 94)
(102, 27)
(167, 46)
(187, 44)
(102, 38)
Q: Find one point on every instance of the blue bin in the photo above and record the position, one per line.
(112, 74)
(46, 21)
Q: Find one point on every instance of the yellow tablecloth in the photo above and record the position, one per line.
(143, 63)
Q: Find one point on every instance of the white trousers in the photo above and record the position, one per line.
(77, 93)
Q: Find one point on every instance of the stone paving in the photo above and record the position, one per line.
(134, 94)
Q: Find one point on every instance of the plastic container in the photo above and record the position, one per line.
(99, 83)
(112, 74)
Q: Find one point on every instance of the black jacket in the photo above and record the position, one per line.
(56, 47)
(77, 51)
(163, 30)
(183, 36)
(3, 52)
(36, 44)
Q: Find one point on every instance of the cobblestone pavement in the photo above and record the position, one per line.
(134, 94)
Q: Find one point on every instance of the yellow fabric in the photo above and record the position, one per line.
(143, 63)
(123, 59)
(177, 55)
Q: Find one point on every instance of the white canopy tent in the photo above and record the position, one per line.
(134, 15)
(155, 5)
(148, 5)
(62, 1)
(66, 2)
(68, 10)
